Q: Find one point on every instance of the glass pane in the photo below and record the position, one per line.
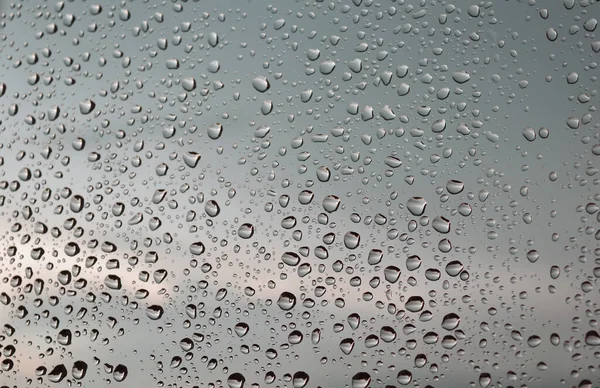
(349, 193)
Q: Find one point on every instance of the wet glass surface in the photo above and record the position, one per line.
(349, 193)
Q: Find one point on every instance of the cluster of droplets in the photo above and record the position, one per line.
(198, 195)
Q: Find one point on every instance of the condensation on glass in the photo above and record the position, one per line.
(350, 193)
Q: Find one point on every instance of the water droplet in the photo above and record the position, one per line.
(392, 161)
(188, 84)
(433, 274)
(441, 224)
(261, 84)
(57, 374)
(450, 321)
(529, 134)
(534, 341)
(79, 370)
(286, 301)
(86, 107)
(197, 248)
(305, 197)
(353, 320)
(455, 187)
(191, 159)
(212, 208)
(290, 258)
(120, 373)
(461, 77)
(414, 304)
(213, 39)
(154, 312)
(375, 256)
(391, 273)
(404, 377)
(351, 240)
(327, 67)
(246, 231)
(78, 144)
(361, 380)
(416, 206)
(323, 174)
(300, 379)
(346, 345)
(215, 131)
(241, 329)
(236, 380)
(533, 256)
(485, 379)
(592, 338)
(387, 334)
(454, 268)
(331, 203)
(113, 282)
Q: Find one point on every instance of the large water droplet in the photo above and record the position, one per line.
(416, 206)
(404, 377)
(154, 312)
(361, 380)
(351, 240)
(261, 84)
(212, 208)
(57, 374)
(79, 370)
(246, 231)
(441, 224)
(215, 131)
(286, 301)
(241, 329)
(592, 338)
(300, 379)
(120, 373)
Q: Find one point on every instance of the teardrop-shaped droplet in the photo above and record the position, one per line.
(86, 106)
(241, 329)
